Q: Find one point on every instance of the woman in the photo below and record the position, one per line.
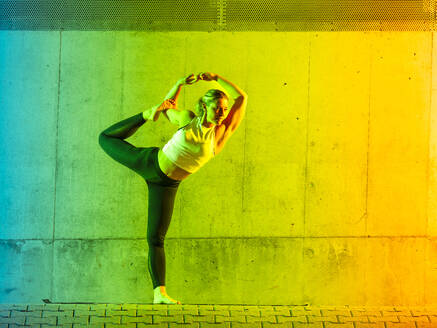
(199, 138)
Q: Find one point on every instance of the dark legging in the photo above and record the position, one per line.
(162, 189)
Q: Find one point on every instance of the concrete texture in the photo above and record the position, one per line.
(325, 194)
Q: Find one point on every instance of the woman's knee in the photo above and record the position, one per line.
(103, 141)
(156, 240)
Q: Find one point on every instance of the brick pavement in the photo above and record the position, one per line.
(217, 316)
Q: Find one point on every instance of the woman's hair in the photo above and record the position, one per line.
(212, 95)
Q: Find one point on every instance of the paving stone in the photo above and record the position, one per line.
(300, 318)
(236, 307)
(313, 318)
(111, 312)
(75, 306)
(223, 312)
(332, 308)
(7, 306)
(214, 325)
(281, 310)
(265, 319)
(404, 312)
(247, 325)
(51, 307)
(384, 319)
(219, 307)
(129, 325)
(98, 320)
(276, 325)
(199, 318)
(70, 320)
(37, 307)
(98, 306)
(196, 307)
(297, 307)
(183, 325)
(145, 325)
(426, 325)
(47, 314)
(19, 313)
(306, 311)
(35, 320)
(420, 311)
(374, 313)
(192, 311)
(328, 312)
(251, 311)
(143, 312)
(307, 325)
(97, 312)
(143, 319)
(422, 318)
(369, 325)
(353, 319)
(114, 306)
(16, 320)
(265, 307)
(339, 325)
(401, 325)
(179, 318)
(221, 318)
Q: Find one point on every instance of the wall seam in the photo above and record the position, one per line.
(307, 134)
(122, 73)
(429, 138)
(368, 139)
(427, 233)
(56, 166)
(366, 217)
(245, 132)
(304, 237)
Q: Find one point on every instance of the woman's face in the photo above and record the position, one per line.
(217, 112)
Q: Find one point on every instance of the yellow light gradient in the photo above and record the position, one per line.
(326, 193)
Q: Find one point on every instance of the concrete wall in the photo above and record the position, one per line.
(325, 194)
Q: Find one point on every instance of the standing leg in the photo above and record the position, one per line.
(162, 192)
(161, 204)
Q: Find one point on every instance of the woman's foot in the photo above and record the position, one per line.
(161, 297)
(153, 113)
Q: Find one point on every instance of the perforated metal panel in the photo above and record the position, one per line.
(219, 15)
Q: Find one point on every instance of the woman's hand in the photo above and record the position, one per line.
(190, 79)
(207, 76)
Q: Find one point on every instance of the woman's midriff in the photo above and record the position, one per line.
(170, 169)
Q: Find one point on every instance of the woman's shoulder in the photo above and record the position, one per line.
(186, 117)
(188, 121)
